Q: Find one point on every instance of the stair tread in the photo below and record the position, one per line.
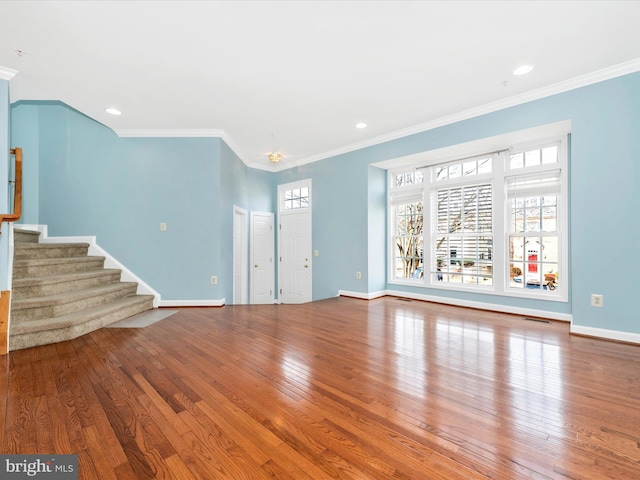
(53, 261)
(19, 327)
(44, 246)
(62, 298)
(64, 277)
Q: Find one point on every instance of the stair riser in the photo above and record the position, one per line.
(30, 291)
(25, 270)
(45, 251)
(19, 237)
(25, 314)
(27, 340)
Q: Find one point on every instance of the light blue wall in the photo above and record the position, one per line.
(4, 181)
(25, 133)
(233, 191)
(377, 229)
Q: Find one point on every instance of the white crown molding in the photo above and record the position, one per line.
(571, 84)
(7, 73)
(168, 133)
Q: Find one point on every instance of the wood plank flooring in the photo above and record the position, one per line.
(336, 389)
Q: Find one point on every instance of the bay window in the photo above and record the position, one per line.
(493, 223)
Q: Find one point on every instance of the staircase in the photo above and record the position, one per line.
(59, 293)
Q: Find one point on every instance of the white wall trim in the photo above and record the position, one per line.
(363, 296)
(192, 303)
(169, 133)
(529, 312)
(95, 250)
(7, 73)
(605, 333)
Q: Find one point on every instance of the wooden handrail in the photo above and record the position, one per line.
(17, 198)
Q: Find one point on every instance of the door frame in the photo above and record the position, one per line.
(241, 255)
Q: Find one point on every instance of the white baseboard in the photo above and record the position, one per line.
(363, 296)
(529, 312)
(192, 303)
(605, 333)
(95, 250)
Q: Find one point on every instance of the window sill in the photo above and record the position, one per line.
(485, 290)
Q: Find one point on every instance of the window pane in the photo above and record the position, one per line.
(470, 168)
(550, 154)
(516, 161)
(408, 178)
(288, 194)
(532, 215)
(288, 204)
(550, 249)
(532, 158)
(484, 166)
(399, 181)
(304, 192)
(470, 205)
(441, 173)
(419, 176)
(304, 202)
(455, 171)
(549, 220)
(550, 273)
(485, 209)
(516, 248)
(515, 274)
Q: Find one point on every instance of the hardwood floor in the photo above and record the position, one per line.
(340, 388)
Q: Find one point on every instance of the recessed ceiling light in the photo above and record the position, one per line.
(113, 111)
(361, 125)
(523, 69)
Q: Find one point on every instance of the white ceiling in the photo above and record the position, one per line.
(298, 76)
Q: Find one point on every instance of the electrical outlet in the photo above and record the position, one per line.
(163, 227)
(358, 275)
(597, 300)
(214, 280)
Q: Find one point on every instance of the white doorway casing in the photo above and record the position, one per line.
(240, 256)
(262, 258)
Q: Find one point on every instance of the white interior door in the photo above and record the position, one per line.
(262, 255)
(295, 258)
(240, 256)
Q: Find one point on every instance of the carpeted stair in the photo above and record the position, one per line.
(60, 293)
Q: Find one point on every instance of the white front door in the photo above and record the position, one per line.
(262, 256)
(295, 258)
(240, 256)
(294, 245)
